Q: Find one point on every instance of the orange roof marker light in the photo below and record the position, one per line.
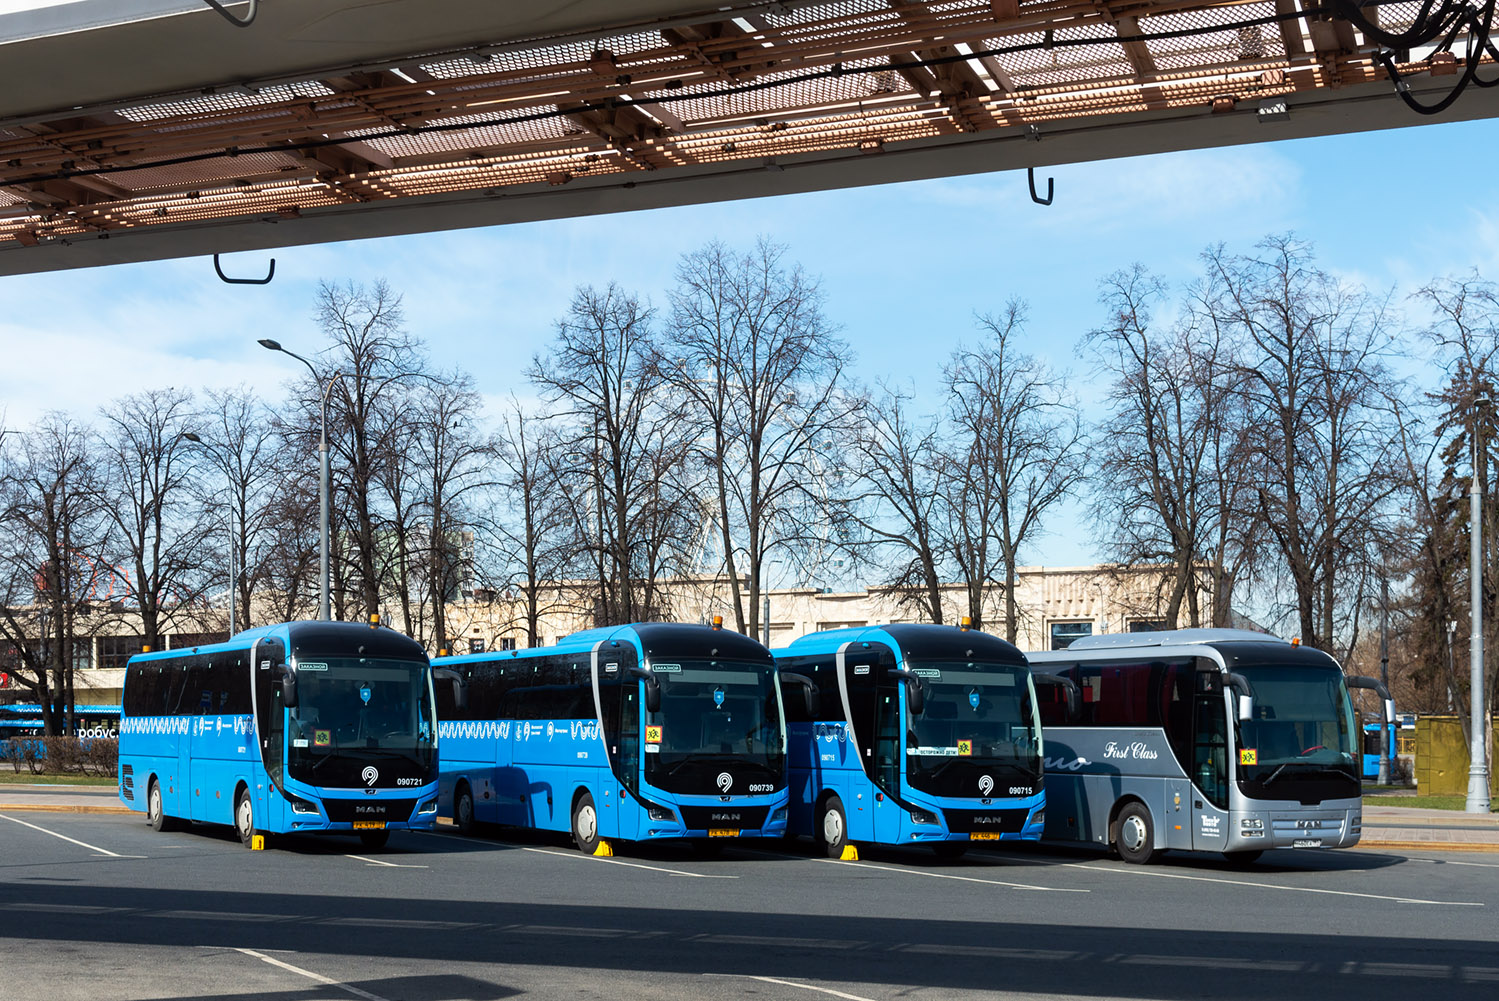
(966, 624)
(718, 622)
(1296, 641)
(374, 620)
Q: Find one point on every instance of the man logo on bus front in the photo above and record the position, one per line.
(986, 784)
(725, 780)
(370, 774)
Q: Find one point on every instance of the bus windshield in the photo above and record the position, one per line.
(1300, 744)
(352, 711)
(978, 719)
(715, 714)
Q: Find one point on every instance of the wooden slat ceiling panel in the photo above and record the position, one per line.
(860, 75)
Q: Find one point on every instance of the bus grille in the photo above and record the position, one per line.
(969, 821)
(343, 811)
(702, 818)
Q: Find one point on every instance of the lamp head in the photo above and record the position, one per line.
(189, 436)
(269, 344)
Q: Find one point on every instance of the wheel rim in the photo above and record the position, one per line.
(1132, 833)
(244, 817)
(587, 823)
(832, 827)
(465, 810)
(154, 805)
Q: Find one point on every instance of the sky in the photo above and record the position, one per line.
(905, 267)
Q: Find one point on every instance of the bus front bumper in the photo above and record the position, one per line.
(1262, 830)
(332, 814)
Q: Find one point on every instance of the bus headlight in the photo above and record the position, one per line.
(428, 807)
(302, 806)
(779, 817)
(662, 814)
(1039, 818)
(922, 817)
(1251, 824)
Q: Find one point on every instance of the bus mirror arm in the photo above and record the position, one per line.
(652, 688)
(1377, 686)
(915, 689)
(1240, 684)
(809, 688)
(1074, 697)
(288, 685)
(460, 690)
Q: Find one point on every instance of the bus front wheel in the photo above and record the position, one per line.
(156, 814)
(832, 827)
(463, 811)
(586, 824)
(244, 819)
(1134, 834)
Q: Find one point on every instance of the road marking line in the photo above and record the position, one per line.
(312, 976)
(1273, 886)
(1442, 861)
(947, 875)
(793, 983)
(393, 865)
(81, 844)
(632, 865)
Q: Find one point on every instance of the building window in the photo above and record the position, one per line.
(507, 642)
(1147, 625)
(115, 650)
(475, 646)
(1064, 633)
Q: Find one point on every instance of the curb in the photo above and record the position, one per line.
(53, 808)
(1428, 846)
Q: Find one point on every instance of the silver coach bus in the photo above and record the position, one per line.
(1218, 740)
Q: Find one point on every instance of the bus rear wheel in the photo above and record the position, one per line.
(374, 840)
(1134, 834)
(586, 824)
(244, 819)
(831, 830)
(156, 814)
(463, 811)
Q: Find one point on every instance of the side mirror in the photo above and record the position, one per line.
(1240, 684)
(288, 678)
(652, 688)
(1375, 685)
(1068, 686)
(810, 693)
(915, 690)
(460, 688)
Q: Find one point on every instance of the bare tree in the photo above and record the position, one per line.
(758, 359)
(1018, 450)
(1310, 349)
(161, 529)
(52, 536)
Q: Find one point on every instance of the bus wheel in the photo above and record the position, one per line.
(244, 819)
(374, 840)
(1134, 835)
(463, 811)
(950, 849)
(1244, 858)
(831, 831)
(156, 814)
(586, 824)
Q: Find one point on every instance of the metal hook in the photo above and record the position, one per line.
(237, 22)
(1030, 177)
(245, 281)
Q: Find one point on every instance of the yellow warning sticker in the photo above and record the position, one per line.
(321, 738)
(965, 747)
(1249, 756)
(653, 735)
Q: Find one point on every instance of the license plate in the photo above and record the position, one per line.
(985, 836)
(1307, 843)
(723, 832)
(369, 825)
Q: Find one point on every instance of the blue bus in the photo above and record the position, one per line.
(1402, 732)
(912, 734)
(639, 732)
(298, 727)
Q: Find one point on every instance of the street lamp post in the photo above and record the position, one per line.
(324, 389)
(1478, 765)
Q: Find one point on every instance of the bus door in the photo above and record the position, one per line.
(617, 696)
(1210, 772)
(195, 747)
(871, 694)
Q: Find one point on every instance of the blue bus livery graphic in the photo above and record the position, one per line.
(911, 734)
(299, 727)
(643, 732)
